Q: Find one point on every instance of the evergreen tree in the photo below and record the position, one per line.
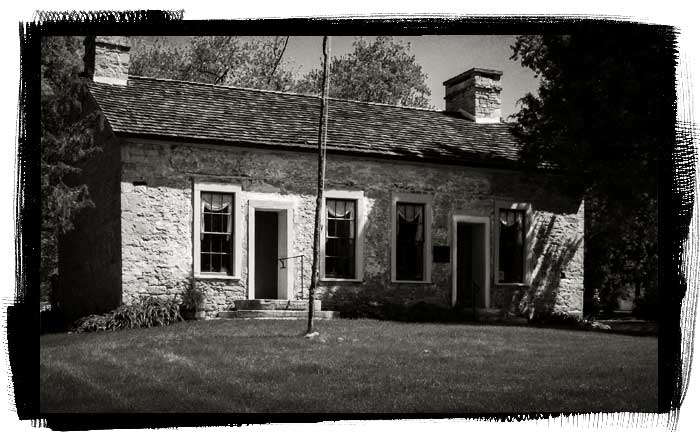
(67, 133)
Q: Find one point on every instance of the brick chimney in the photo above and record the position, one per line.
(107, 59)
(475, 94)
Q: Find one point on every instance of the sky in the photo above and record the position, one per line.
(440, 57)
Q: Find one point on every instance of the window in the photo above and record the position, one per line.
(340, 238)
(342, 253)
(216, 233)
(216, 239)
(411, 244)
(410, 241)
(512, 224)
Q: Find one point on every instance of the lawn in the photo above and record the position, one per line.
(355, 366)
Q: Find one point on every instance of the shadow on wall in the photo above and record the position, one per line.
(541, 297)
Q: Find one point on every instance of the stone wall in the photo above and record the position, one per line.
(89, 256)
(156, 228)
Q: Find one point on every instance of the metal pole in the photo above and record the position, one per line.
(322, 133)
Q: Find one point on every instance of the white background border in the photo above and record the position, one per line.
(673, 12)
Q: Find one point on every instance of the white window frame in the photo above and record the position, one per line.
(234, 190)
(359, 198)
(520, 206)
(427, 201)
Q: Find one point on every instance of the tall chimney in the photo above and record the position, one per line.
(475, 94)
(107, 59)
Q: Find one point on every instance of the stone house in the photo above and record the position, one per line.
(214, 186)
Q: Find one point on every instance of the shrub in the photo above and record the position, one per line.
(92, 323)
(421, 311)
(192, 298)
(558, 319)
(145, 312)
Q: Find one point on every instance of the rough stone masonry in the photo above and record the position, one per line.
(157, 215)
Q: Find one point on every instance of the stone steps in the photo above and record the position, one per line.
(276, 309)
(276, 314)
(271, 304)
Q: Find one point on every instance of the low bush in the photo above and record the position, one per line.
(417, 312)
(558, 319)
(93, 323)
(145, 312)
(192, 298)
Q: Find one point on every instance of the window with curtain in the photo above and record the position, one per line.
(410, 240)
(216, 233)
(341, 228)
(511, 248)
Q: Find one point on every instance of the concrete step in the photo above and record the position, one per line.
(268, 304)
(277, 314)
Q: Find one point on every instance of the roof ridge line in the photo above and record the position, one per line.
(199, 83)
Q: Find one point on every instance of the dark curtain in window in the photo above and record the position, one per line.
(410, 240)
(340, 238)
(216, 233)
(511, 245)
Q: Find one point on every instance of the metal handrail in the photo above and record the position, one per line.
(283, 265)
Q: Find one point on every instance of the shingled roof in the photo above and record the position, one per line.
(186, 111)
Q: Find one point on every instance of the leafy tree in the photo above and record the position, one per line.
(227, 60)
(598, 112)
(381, 71)
(66, 142)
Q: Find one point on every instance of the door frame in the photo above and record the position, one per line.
(285, 235)
(486, 222)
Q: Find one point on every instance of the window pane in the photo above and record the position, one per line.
(343, 228)
(205, 262)
(330, 267)
(331, 247)
(215, 263)
(207, 222)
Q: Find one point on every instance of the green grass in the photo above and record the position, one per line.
(355, 366)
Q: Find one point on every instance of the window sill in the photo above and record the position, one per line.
(412, 281)
(338, 280)
(216, 277)
(512, 285)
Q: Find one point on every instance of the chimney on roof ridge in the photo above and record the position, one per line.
(475, 94)
(107, 59)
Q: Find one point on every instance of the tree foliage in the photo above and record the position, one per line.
(381, 71)
(66, 141)
(599, 113)
(226, 60)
